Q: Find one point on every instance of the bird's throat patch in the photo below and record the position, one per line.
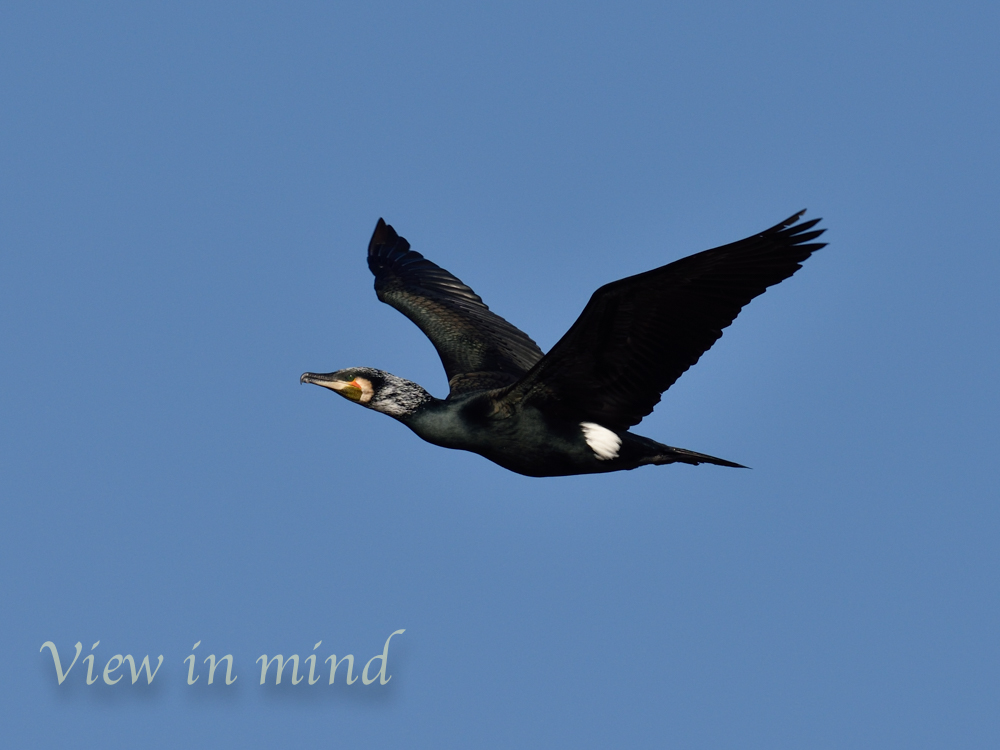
(359, 389)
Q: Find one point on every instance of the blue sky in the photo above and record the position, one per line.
(187, 194)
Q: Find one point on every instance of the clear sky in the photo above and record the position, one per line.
(186, 194)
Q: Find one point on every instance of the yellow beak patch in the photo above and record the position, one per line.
(358, 390)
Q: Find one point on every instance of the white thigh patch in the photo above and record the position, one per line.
(601, 440)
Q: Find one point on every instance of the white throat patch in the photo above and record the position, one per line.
(601, 440)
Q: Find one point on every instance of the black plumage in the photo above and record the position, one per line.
(477, 347)
(568, 411)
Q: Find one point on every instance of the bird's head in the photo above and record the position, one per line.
(374, 389)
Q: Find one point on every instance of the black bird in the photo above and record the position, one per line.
(568, 411)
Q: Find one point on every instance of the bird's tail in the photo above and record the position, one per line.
(668, 455)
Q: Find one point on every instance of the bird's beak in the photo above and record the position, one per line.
(352, 390)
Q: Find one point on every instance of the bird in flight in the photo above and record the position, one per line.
(568, 411)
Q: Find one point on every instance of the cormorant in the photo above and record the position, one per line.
(568, 411)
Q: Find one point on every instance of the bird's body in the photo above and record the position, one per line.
(567, 412)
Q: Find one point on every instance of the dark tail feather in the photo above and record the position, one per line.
(670, 455)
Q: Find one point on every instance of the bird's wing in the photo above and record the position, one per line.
(638, 335)
(479, 349)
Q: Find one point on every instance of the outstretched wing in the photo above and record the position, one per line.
(479, 349)
(638, 335)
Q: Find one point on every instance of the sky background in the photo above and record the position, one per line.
(186, 194)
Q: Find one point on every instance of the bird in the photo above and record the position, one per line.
(568, 411)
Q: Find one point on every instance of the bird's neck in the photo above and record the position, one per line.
(400, 398)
